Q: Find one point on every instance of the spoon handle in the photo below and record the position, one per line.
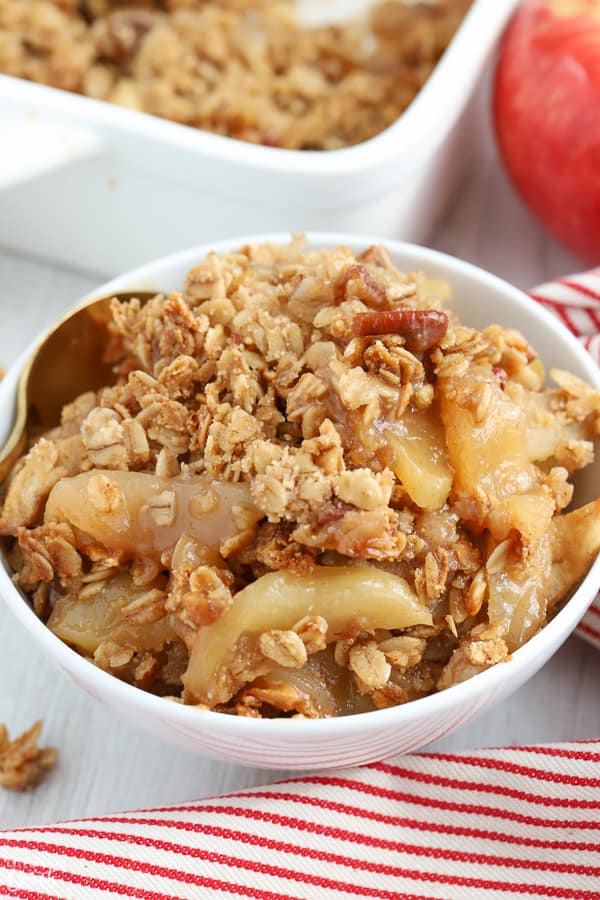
(12, 450)
(16, 442)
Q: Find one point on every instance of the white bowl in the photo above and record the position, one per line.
(154, 185)
(480, 299)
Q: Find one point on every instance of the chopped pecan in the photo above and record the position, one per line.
(366, 288)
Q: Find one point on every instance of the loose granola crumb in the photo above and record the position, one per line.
(312, 630)
(145, 609)
(286, 648)
(403, 652)
(451, 625)
(208, 596)
(23, 764)
(161, 509)
(103, 436)
(109, 655)
(136, 444)
(342, 652)
(200, 504)
(487, 652)
(108, 499)
(370, 666)
(476, 594)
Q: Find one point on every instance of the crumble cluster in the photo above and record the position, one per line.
(23, 764)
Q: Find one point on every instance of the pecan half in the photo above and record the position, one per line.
(421, 329)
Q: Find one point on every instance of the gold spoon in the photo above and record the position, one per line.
(66, 362)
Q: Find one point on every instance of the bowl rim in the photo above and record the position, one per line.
(101, 683)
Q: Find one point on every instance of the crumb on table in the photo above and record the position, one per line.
(23, 764)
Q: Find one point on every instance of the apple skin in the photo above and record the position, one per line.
(547, 116)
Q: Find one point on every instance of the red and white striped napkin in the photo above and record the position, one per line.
(520, 822)
(501, 823)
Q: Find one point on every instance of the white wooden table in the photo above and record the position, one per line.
(106, 765)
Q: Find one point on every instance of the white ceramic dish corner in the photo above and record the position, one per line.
(154, 186)
(302, 744)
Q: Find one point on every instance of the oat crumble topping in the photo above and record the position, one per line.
(279, 510)
(242, 68)
(23, 764)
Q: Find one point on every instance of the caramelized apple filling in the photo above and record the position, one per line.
(310, 492)
(137, 514)
(264, 623)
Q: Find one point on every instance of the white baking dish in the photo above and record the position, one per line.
(105, 188)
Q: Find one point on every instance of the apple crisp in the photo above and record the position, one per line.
(242, 68)
(311, 490)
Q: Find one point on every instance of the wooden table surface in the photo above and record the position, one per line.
(105, 764)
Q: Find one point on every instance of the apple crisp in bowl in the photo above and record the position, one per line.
(311, 490)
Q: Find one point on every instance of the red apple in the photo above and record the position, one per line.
(547, 116)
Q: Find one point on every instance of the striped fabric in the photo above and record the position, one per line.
(521, 822)
(488, 825)
(576, 302)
